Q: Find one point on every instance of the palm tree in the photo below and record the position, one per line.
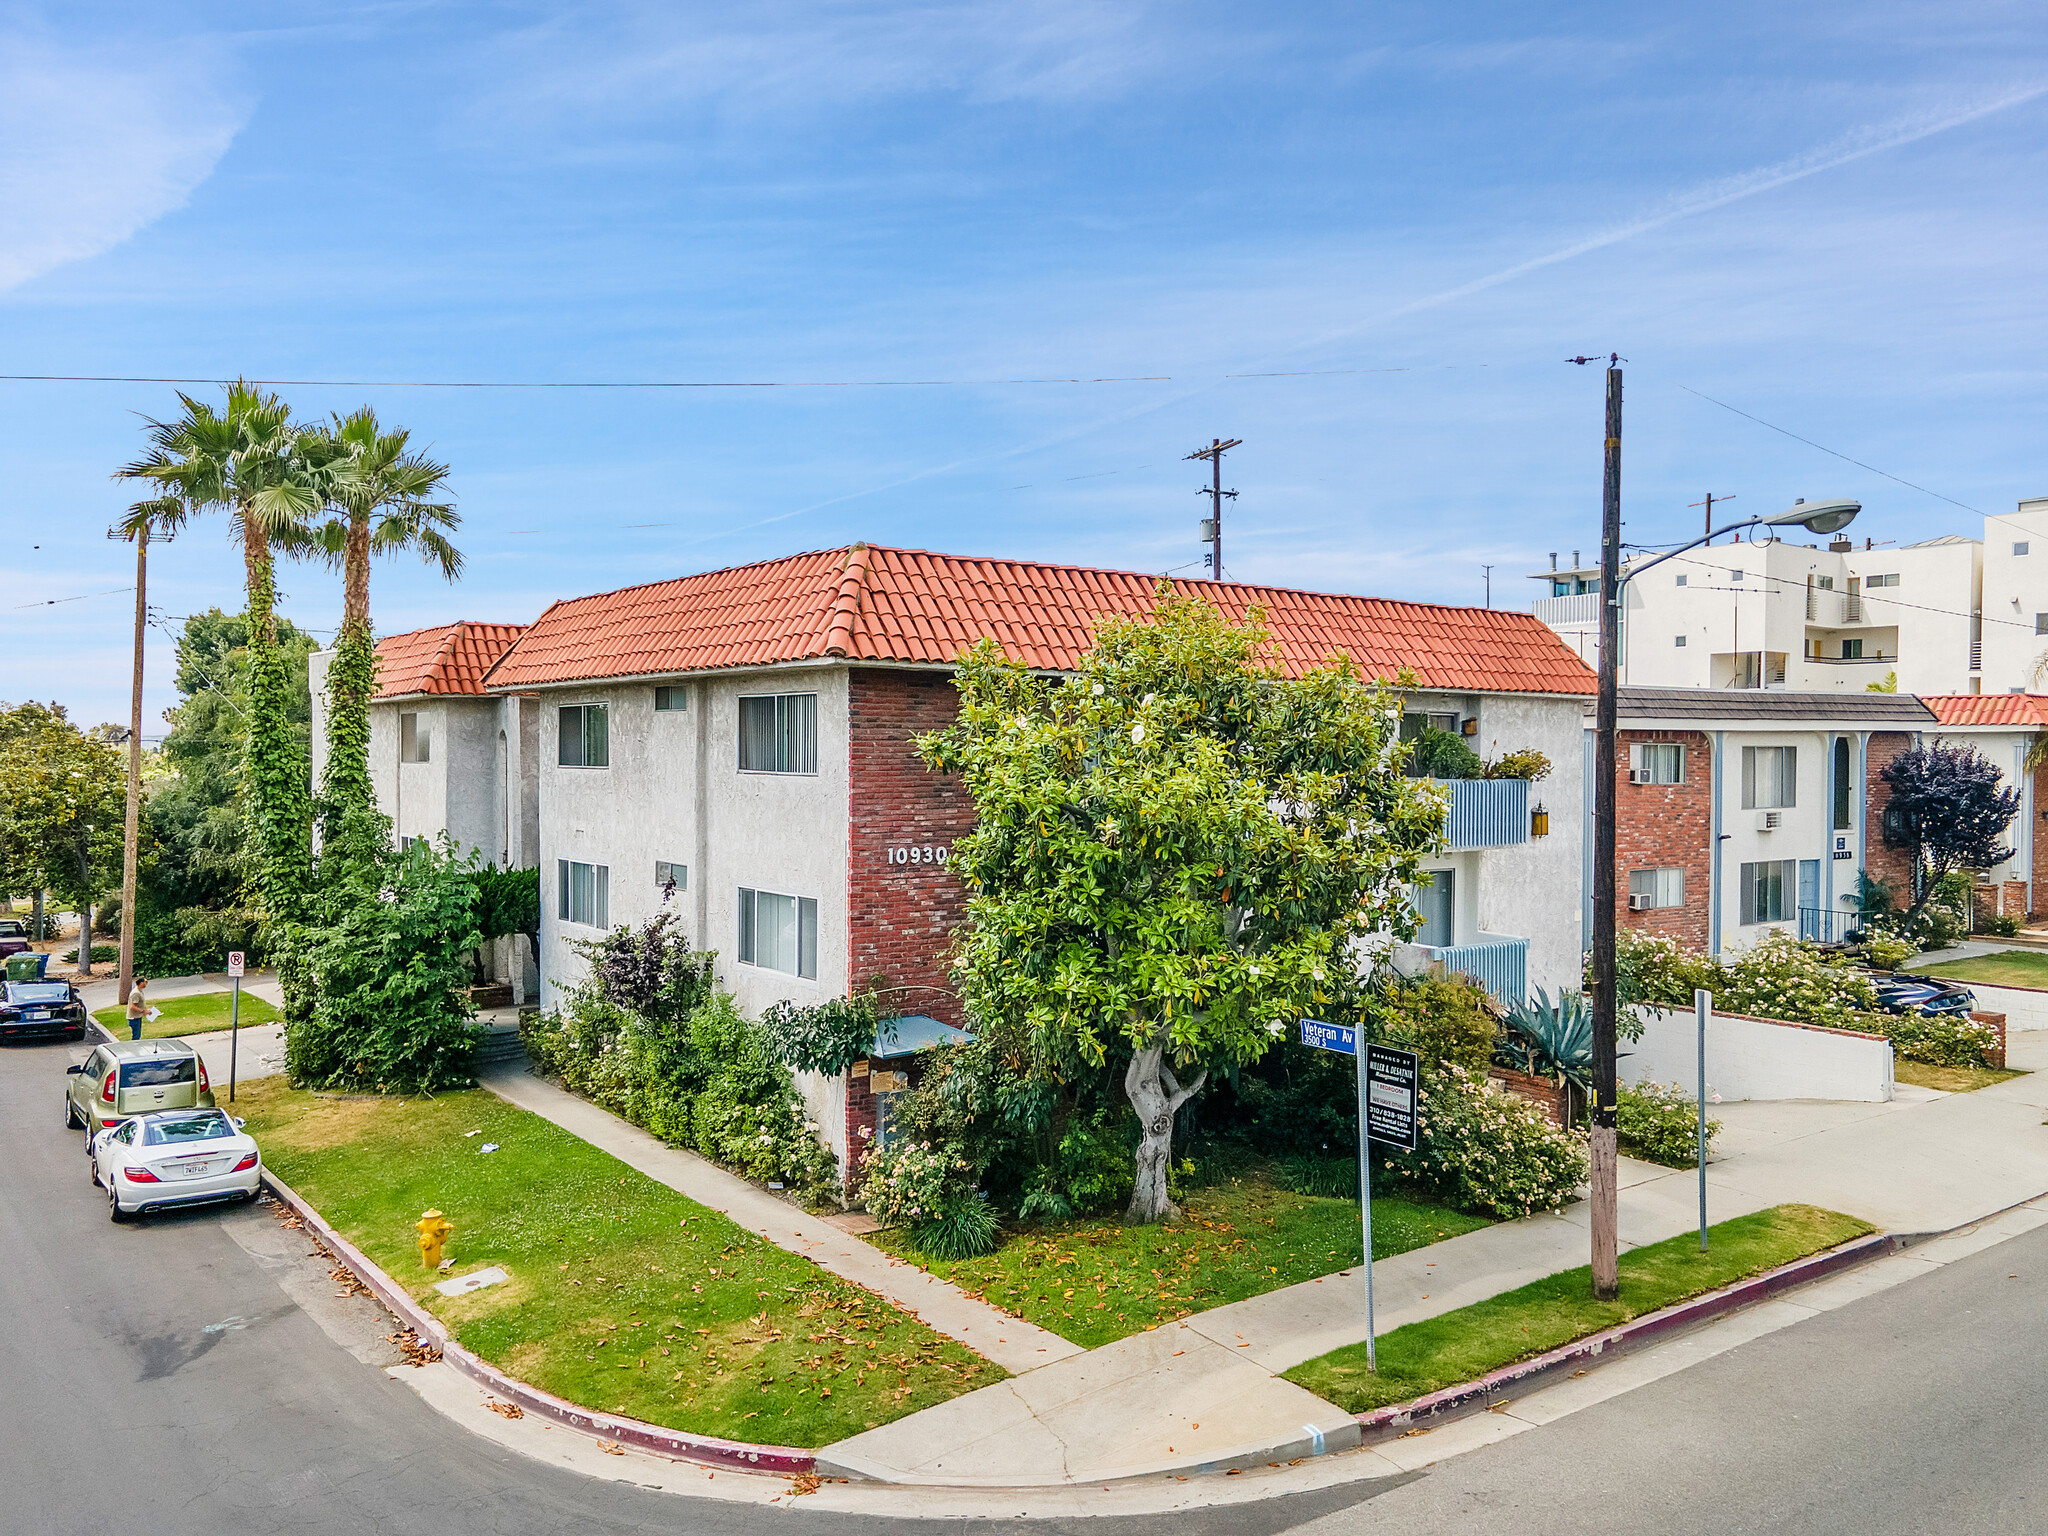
(385, 497)
(249, 460)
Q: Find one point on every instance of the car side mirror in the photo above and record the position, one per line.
(74, 1069)
(239, 1121)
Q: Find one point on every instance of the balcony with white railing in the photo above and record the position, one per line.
(1578, 608)
(1486, 813)
(1497, 962)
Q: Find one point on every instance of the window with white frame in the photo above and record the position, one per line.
(1678, 640)
(778, 933)
(583, 736)
(2020, 548)
(583, 893)
(674, 699)
(1890, 579)
(1768, 890)
(1769, 778)
(669, 876)
(1681, 581)
(779, 733)
(415, 741)
(1657, 762)
(1656, 888)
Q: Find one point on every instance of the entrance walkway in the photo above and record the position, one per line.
(1010, 1342)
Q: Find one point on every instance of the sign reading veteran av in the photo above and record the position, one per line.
(1388, 1081)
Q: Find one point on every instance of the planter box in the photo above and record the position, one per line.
(1552, 1098)
(497, 994)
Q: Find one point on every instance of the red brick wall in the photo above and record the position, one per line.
(1893, 864)
(2038, 833)
(1665, 826)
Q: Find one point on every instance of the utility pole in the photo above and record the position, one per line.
(132, 833)
(1605, 1179)
(1489, 584)
(1709, 505)
(1212, 525)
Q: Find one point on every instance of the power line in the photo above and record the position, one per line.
(1139, 378)
(51, 602)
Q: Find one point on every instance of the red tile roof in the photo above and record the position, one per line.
(868, 603)
(448, 658)
(2016, 711)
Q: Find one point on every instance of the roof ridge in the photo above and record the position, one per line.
(853, 586)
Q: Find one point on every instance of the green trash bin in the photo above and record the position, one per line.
(26, 967)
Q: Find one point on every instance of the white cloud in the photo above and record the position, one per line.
(95, 147)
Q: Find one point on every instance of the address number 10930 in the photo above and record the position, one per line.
(930, 853)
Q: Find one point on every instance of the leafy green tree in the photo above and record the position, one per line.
(385, 496)
(63, 799)
(1956, 808)
(1177, 848)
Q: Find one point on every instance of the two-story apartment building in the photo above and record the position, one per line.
(739, 745)
(1741, 812)
(2007, 728)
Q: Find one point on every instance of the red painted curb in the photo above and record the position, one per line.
(740, 1455)
(1474, 1396)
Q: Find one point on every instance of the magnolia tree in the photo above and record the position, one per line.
(1176, 849)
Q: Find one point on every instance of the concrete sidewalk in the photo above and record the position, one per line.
(1203, 1392)
(1009, 1341)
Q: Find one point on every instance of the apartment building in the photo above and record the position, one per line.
(1948, 615)
(1738, 813)
(2007, 728)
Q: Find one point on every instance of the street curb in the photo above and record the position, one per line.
(1493, 1389)
(787, 1461)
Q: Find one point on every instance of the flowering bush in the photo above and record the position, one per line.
(1779, 978)
(1886, 952)
(1660, 1122)
(1488, 1150)
(1941, 1040)
(928, 1188)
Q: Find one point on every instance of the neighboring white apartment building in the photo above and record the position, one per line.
(446, 757)
(2006, 728)
(1948, 615)
(739, 747)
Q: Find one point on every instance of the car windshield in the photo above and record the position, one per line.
(172, 1128)
(159, 1074)
(38, 992)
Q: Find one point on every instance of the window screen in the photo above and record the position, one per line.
(1663, 887)
(674, 698)
(583, 736)
(779, 733)
(1768, 777)
(583, 893)
(778, 933)
(1663, 761)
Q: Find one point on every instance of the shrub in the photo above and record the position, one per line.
(1445, 1020)
(1089, 1172)
(2002, 924)
(1523, 763)
(928, 1190)
(1779, 978)
(1941, 1040)
(1547, 1039)
(650, 971)
(1334, 1177)
(1886, 952)
(1490, 1151)
(1443, 755)
(825, 1037)
(100, 952)
(1659, 971)
(1660, 1123)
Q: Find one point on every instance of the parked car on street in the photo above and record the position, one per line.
(13, 937)
(125, 1078)
(1922, 994)
(41, 1010)
(171, 1158)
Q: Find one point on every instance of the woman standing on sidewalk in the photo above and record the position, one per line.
(138, 1008)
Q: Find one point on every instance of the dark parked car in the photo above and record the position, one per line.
(41, 1010)
(1923, 994)
(13, 937)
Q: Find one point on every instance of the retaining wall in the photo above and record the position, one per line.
(1751, 1058)
(2024, 1007)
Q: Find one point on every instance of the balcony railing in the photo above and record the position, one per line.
(1578, 608)
(1496, 962)
(1825, 924)
(1486, 813)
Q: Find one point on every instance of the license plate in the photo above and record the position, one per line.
(189, 1170)
(36, 1013)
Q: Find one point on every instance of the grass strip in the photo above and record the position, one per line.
(624, 1296)
(1095, 1281)
(2007, 968)
(1463, 1345)
(194, 1015)
(1922, 1074)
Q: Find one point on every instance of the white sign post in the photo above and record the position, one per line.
(234, 1018)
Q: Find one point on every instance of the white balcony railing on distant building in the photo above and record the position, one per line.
(1579, 608)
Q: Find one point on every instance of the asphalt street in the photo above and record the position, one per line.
(171, 1376)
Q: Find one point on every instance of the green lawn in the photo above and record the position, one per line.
(1099, 1280)
(2007, 968)
(1463, 1345)
(189, 1015)
(1950, 1079)
(624, 1296)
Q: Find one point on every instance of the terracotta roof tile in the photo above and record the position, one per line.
(447, 658)
(871, 603)
(2021, 711)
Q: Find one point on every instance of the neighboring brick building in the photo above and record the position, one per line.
(1743, 810)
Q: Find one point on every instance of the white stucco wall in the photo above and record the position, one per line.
(2015, 594)
(2025, 1008)
(1759, 1059)
(1531, 889)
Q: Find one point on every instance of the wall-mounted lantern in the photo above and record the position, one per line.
(1539, 822)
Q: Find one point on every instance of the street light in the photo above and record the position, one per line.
(1816, 517)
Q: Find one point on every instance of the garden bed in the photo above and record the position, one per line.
(1465, 1344)
(194, 1015)
(1096, 1281)
(623, 1296)
(1951, 1079)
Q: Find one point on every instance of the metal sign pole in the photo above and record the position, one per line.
(1372, 1362)
(1702, 1005)
(234, 1019)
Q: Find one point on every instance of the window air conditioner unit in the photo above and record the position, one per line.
(1639, 776)
(1639, 903)
(1767, 821)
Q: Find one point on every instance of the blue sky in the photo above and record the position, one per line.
(1831, 216)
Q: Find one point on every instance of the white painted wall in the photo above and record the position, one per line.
(1532, 889)
(1759, 1059)
(2024, 1007)
(2015, 596)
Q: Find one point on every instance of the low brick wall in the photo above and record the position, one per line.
(1552, 1098)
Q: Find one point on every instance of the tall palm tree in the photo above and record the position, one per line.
(249, 460)
(384, 495)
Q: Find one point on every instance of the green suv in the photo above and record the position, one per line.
(133, 1077)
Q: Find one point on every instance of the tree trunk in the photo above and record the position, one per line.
(85, 938)
(1156, 1095)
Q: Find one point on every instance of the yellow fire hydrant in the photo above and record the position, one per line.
(434, 1230)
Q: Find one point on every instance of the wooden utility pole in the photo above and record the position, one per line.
(132, 834)
(1605, 1154)
(1214, 533)
(1709, 505)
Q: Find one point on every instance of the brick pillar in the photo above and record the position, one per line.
(1996, 1056)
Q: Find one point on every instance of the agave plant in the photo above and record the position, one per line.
(1553, 1039)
